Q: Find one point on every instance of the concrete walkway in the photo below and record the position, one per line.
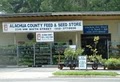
(26, 73)
(35, 73)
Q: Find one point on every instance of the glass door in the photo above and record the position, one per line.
(102, 46)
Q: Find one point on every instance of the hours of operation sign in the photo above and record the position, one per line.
(45, 37)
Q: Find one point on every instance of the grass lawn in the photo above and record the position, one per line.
(85, 73)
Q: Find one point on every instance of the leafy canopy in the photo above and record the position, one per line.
(31, 6)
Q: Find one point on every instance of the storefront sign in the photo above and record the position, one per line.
(56, 26)
(45, 37)
(95, 29)
(82, 62)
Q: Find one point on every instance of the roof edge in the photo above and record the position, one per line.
(89, 13)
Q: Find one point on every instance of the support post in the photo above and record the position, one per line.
(17, 55)
(14, 38)
(34, 54)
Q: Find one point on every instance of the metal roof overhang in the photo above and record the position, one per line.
(54, 16)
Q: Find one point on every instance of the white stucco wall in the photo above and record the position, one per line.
(23, 37)
(66, 36)
(6, 38)
(12, 38)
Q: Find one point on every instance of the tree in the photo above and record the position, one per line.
(46, 5)
(114, 5)
(20, 6)
(31, 6)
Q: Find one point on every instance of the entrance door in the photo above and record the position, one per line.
(102, 46)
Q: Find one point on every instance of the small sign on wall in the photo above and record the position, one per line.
(95, 29)
(45, 37)
(82, 62)
(73, 47)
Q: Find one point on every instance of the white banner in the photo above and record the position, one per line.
(45, 37)
(54, 26)
(82, 62)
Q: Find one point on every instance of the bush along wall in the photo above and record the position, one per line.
(113, 63)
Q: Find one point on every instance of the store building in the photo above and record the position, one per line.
(106, 25)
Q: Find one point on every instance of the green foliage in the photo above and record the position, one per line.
(71, 53)
(95, 58)
(113, 63)
(79, 51)
(30, 6)
(46, 5)
(20, 6)
(84, 73)
(94, 48)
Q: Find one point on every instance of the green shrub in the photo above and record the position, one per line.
(96, 58)
(113, 63)
(71, 53)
